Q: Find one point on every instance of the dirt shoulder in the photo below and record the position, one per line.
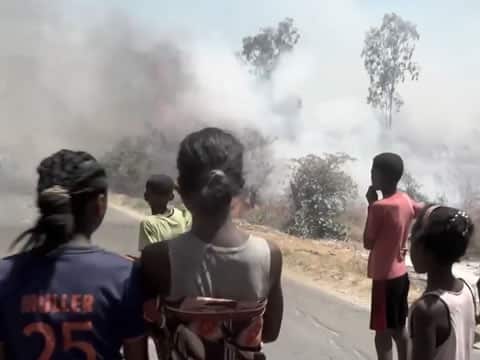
(338, 268)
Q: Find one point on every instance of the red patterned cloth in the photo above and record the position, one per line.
(206, 328)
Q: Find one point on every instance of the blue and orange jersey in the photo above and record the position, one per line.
(75, 303)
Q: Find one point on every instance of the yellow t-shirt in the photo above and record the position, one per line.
(164, 226)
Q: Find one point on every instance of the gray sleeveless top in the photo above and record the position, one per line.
(201, 269)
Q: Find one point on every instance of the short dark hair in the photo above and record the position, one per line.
(390, 165)
(210, 163)
(160, 184)
(446, 233)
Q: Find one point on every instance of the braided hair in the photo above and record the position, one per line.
(66, 180)
(445, 232)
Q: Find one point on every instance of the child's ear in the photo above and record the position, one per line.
(101, 205)
(172, 196)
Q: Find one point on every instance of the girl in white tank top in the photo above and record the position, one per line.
(442, 321)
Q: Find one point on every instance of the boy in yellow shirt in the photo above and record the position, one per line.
(165, 222)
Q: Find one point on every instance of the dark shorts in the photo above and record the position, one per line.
(389, 303)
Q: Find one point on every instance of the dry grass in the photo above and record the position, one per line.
(274, 214)
(135, 204)
(337, 267)
(354, 217)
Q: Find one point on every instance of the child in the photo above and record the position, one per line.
(386, 233)
(164, 223)
(442, 321)
(220, 287)
(62, 297)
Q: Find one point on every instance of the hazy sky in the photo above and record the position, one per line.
(325, 70)
(437, 20)
(333, 30)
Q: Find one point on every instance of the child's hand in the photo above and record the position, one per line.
(371, 195)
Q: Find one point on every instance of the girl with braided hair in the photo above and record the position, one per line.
(82, 302)
(442, 321)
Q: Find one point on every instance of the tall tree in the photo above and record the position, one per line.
(263, 51)
(388, 59)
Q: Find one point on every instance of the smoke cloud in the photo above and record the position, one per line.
(87, 81)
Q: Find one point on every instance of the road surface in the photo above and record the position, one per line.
(316, 325)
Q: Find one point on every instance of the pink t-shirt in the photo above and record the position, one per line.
(388, 226)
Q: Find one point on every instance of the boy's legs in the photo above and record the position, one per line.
(400, 336)
(388, 317)
(397, 313)
(378, 320)
(384, 344)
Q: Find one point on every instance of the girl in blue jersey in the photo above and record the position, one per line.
(62, 297)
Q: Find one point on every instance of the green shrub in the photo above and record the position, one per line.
(320, 190)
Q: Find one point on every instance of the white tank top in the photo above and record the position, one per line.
(461, 310)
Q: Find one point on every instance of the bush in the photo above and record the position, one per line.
(134, 158)
(276, 214)
(354, 219)
(412, 187)
(320, 190)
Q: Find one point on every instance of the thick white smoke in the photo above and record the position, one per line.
(87, 83)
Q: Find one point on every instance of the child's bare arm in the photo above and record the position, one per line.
(371, 227)
(367, 241)
(424, 334)
(417, 209)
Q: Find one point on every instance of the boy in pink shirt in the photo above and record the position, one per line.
(386, 234)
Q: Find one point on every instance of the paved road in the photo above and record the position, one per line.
(316, 326)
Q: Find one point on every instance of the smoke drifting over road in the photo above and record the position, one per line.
(86, 84)
(81, 88)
